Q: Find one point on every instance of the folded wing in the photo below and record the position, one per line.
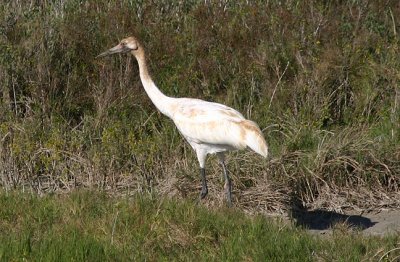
(209, 123)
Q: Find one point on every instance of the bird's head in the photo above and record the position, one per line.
(129, 44)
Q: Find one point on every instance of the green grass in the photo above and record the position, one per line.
(91, 226)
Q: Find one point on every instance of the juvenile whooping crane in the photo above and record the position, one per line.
(210, 128)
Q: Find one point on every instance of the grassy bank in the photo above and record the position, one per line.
(90, 226)
(320, 77)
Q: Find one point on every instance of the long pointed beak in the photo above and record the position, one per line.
(116, 49)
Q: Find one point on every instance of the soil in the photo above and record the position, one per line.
(378, 223)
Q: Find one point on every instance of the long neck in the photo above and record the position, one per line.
(161, 101)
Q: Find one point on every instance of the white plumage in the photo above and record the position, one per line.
(208, 127)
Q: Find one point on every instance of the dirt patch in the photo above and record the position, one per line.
(385, 222)
(382, 222)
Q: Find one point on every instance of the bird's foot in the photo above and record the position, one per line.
(204, 192)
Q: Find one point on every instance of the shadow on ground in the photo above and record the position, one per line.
(323, 220)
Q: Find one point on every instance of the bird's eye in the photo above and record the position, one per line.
(123, 43)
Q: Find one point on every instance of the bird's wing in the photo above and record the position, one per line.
(209, 123)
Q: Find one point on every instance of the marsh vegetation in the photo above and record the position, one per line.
(321, 78)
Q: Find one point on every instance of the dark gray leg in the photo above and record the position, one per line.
(204, 188)
(227, 186)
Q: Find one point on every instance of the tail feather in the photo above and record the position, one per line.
(254, 138)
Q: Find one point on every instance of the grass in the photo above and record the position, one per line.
(92, 226)
(319, 77)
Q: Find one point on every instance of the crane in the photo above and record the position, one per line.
(210, 128)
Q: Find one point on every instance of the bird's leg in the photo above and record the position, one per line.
(227, 186)
(204, 188)
(201, 156)
(228, 183)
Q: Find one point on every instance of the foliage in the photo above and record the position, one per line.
(320, 77)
